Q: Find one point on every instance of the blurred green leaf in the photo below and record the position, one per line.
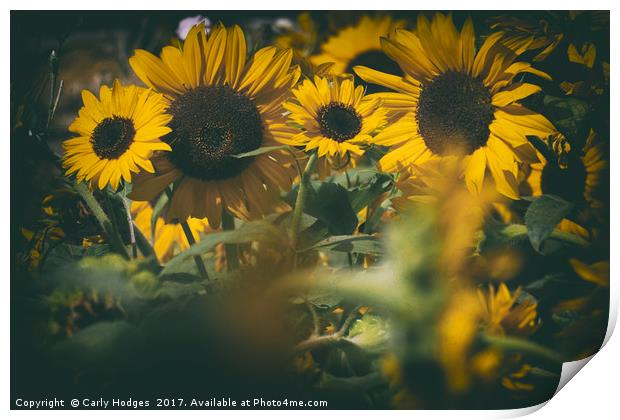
(352, 383)
(370, 332)
(248, 232)
(323, 297)
(362, 244)
(61, 254)
(174, 290)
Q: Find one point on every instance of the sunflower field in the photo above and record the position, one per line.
(325, 209)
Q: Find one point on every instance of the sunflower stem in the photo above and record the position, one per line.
(520, 345)
(197, 258)
(228, 223)
(143, 244)
(102, 218)
(132, 233)
(302, 192)
(53, 62)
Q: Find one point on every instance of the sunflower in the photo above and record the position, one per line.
(454, 99)
(543, 32)
(118, 134)
(337, 119)
(221, 106)
(508, 313)
(574, 177)
(169, 237)
(359, 45)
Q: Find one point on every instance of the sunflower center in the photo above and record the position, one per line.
(569, 183)
(377, 60)
(112, 137)
(339, 122)
(209, 125)
(454, 113)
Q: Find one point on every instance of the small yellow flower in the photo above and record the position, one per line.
(335, 118)
(117, 135)
(503, 315)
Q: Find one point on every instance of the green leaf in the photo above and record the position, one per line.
(568, 114)
(323, 295)
(543, 215)
(262, 150)
(499, 235)
(329, 202)
(313, 234)
(63, 254)
(251, 231)
(362, 244)
(362, 196)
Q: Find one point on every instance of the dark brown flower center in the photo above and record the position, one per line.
(339, 122)
(209, 125)
(112, 137)
(454, 113)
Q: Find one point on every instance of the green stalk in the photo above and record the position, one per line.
(132, 233)
(112, 234)
(200, 265)
(197, 258)
(302, 192)
(143, 244)
(519, 345)
(53, 62)
(228, 223)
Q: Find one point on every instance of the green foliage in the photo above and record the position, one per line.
(569, 115)
(252, 231)
(361, 244)
(542, 216)
(363, 195)
(329, 203)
